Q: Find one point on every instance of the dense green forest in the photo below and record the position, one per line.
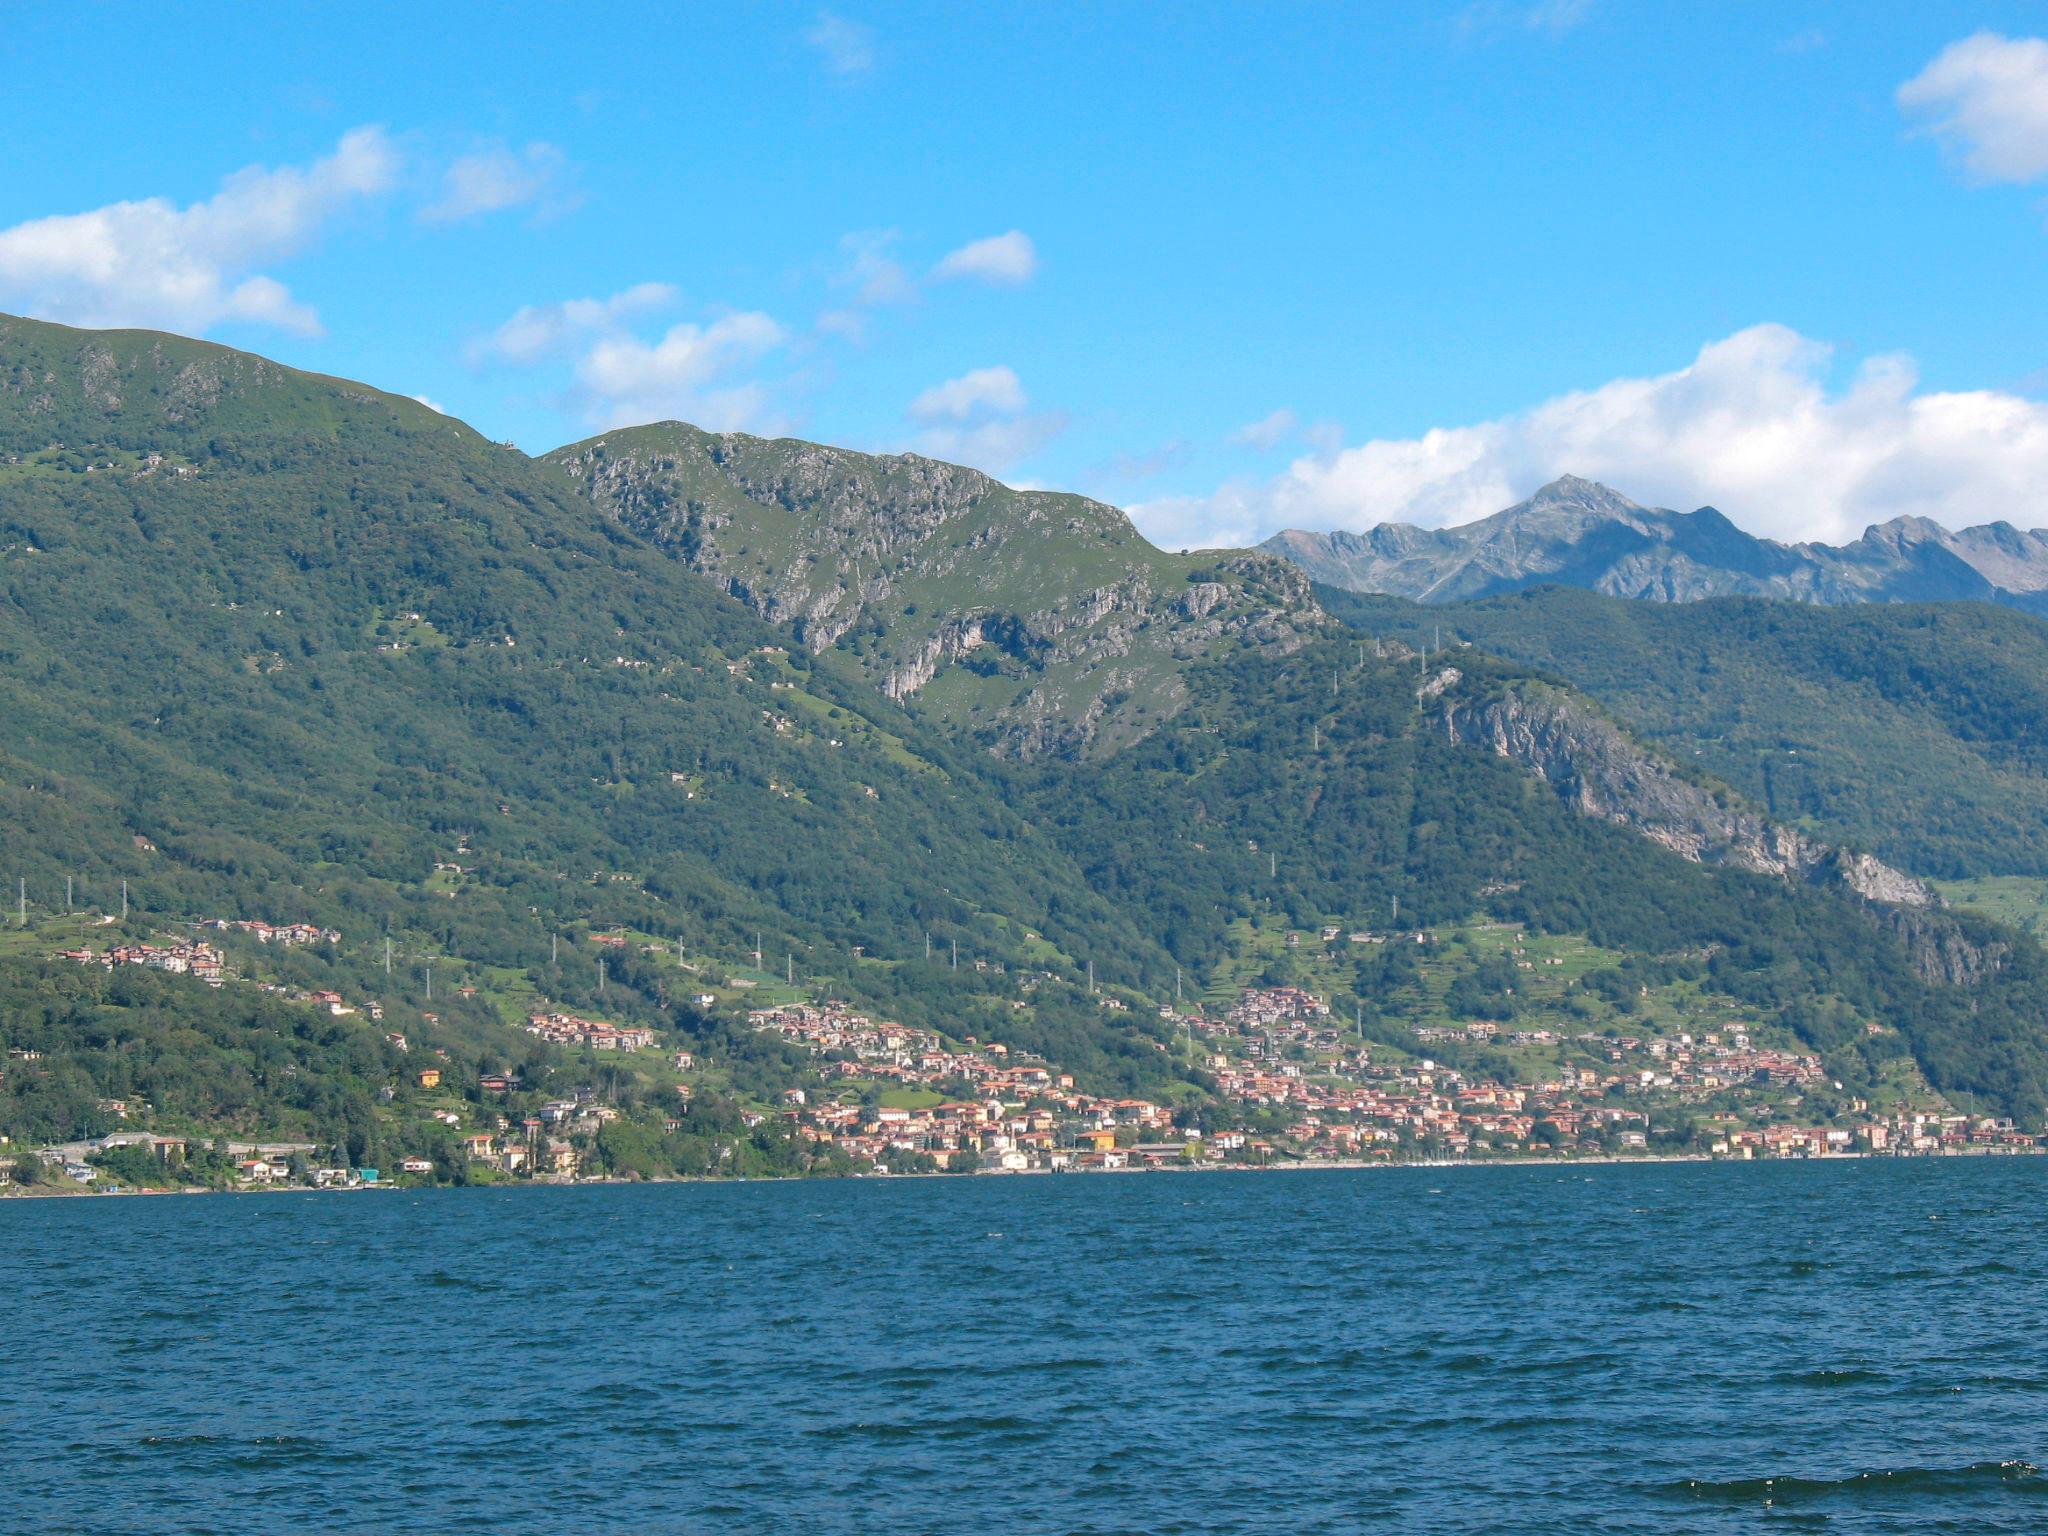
(1918, 731)
(1315, 785)
(280, 647)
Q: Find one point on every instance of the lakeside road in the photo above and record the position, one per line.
(40, 1192)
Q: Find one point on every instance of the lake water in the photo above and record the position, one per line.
(1856, 1346)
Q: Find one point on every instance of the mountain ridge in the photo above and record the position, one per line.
(1042, 621)
(1578, 533)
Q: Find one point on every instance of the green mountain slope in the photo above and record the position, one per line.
(287, 648)
(1920, 732)
(1040, 622)
(1327, 783)
(281, 647)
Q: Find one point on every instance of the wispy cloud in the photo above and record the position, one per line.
(539, 332)
(996, 390)
(699, 371)
(1986, 99)
(495, 177)
(983, 418)
(1494, 20)
(150, 262)
(846, 47)
(1006, 260)
(1750, 425)
(869, 269)
(690, 373)
(1268, 432)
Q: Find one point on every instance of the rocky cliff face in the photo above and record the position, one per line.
(1600, 771)
(1576, 533)
(1043, 622)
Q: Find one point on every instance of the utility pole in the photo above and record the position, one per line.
(927, 947)
(956, 954)
(387, 954)
(67, 893)
(1273, 866)
(124, 900)
(430, 980)
(789, 969)
(600, 975)
(1091, 978)
(21, 912)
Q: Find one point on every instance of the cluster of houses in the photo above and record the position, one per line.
(1276, 1055)
(1263, 1007)
(274, 933)
(1345, 1103)
(570, 1029)
(198, 959)
(1013, 1112)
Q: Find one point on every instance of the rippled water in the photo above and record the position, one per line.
(1849, 1347)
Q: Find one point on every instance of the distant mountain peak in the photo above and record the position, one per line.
(1577, 488)
(1576, 532)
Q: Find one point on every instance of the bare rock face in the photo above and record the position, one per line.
(1058, 628)
(1600, 771)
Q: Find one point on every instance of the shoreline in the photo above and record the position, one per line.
(1297, 1166)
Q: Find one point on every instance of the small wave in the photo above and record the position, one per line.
(1854, 1376)
(442, 1280)
(1976, 1476)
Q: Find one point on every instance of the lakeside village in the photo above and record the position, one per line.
(1291, 1088)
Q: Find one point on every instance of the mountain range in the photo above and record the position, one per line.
(1577, 533)
(616, 729)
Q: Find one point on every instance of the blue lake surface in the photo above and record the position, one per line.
(1853, 1346)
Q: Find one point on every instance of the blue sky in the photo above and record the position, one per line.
(1236, 267)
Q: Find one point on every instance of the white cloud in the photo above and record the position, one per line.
(495, 177)
(189, 269)
(1007, 260)
(983, 418)
(995, 445)
(1751, 426)
(1986, 99)
(542, 331)
(687, 374)
(847, 47)
(693, 371)
(993, 391)
(1268, 432)
(432, 405)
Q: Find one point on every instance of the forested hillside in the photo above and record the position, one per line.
(1324, 783)
(280, 649)
(1918, 731)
